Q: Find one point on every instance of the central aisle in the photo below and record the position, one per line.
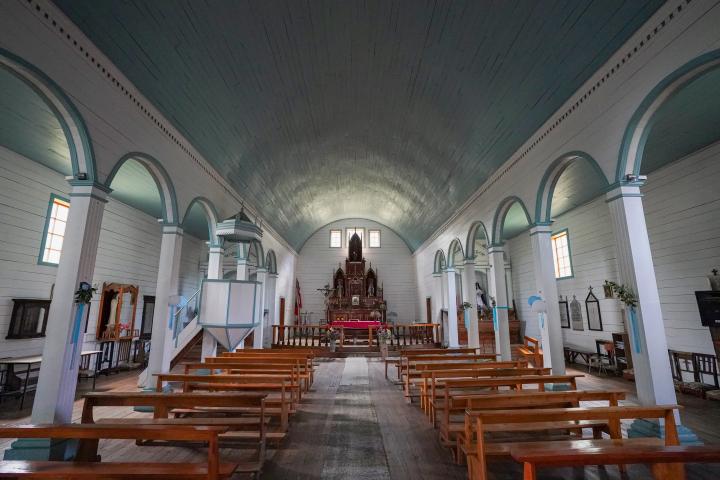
(354, 424)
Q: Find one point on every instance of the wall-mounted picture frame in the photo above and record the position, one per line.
(355, 300)
(564, 313)
(576, 315)
(592, 308)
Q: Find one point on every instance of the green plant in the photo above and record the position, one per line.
(624, 293)
(467, 305)
(84, 293)
(384, 334)
(333, 334)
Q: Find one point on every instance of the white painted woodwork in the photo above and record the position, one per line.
(59, 370)
(546, 285)
(452, 317)
(469, 297)
(260, 305)
(392, 261)
(499, 293)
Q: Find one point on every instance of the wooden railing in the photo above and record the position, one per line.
(316, 335)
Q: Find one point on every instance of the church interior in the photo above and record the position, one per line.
(354, 239)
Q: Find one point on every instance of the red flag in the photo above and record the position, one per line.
(298, 298)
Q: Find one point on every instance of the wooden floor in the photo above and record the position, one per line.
(355, 424)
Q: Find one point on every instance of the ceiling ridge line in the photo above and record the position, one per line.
(595, 82)
(50, 14)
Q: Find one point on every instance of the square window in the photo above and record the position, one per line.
(561, 255)
(374, 238)
(54, 230)
(335, 238)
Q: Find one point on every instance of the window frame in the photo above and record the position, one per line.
(370, 231)
(48, 216)
(331, 235)
(553, 236)
(18, 315)
(355, 229)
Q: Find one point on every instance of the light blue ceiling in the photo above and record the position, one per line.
(578, 184)
(134, 186)
(390, 110)
(688, 121)
(29, 127)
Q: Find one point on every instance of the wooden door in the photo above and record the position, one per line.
(281, 321)
(428, 310)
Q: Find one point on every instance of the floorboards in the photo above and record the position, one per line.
(355, 424)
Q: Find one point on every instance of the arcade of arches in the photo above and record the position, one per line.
(348, 239)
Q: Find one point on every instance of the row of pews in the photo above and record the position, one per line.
(486, 410)
(242, 401)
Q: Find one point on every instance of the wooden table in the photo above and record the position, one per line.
(32, 364)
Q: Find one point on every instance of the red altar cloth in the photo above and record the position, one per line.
(356, 324)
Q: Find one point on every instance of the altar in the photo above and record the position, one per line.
(355, 300)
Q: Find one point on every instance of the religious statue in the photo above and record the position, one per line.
(339, 288)
(371, 290)
(355, 248)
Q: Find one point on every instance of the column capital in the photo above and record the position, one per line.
(495, 248)
(437, 274)
(261, 270)
(273, 275)
(169, 229)
(217, 250)
(469, 261)
(624, 191)
(242, 261)
(449, 270)
(541, 229)
(94, 190)
(219, 244)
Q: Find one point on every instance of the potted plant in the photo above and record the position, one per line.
(333, 335)
(384, 335)
(608, 288)
(628, 299)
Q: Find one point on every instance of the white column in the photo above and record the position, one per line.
(271, 305)
(215, 272)
(166, 297)
(647, 337)
(469, 297)
(499, 292)
(61, 353)
(436, 304)
(242, 269)
(260, 329)
(546, 285)
(452, 334)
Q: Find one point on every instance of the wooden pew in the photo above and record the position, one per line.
(305, 371)
(470, 405)
(88, 464)
(664, 460)
(415, 367)
(214, 383)
(245, 369)
(532, 351)
(308, 357)
(433, 381)
(561, 420)
(416, 352)
(164, 403)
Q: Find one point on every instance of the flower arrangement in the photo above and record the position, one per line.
(384, 334)
(84, 293)
(466, 305)
(333, 334)
(375, 314)
(624, 293)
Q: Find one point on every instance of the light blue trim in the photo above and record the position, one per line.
(451, 252)
(271, 262)
(642, 109)
(144, 158)
(553, 174)
(500, 214)
(472, 237)
(440, 262)
(407, 243)
(74, 113)
(207, 203)
(572, 269)
(40, 261)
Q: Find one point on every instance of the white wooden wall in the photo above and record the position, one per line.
(317, 261)
(682, 210)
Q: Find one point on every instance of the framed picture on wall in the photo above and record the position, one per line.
(355, 300)
(592, 308)
(576, 315)
(564, 313)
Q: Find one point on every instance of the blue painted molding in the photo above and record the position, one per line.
(455, 244)
(552, 176)
(59, 95)
(472, 237)
(698, 66)
(212, 220)
(501, 213)
(164, 180)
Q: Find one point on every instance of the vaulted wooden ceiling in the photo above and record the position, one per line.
(394, 111)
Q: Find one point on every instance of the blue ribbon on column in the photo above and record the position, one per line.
(541, 317)
(76, 333)
(495, 316)
(635, 333)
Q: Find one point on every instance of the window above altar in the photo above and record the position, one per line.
(374, 238)
(350, 231)
(335, 238)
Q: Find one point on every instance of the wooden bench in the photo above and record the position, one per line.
(87, 464)
(308, 358)
(305, 370)
(235, 368)
(470, 405)
(433, 381)
(236, 383)
(407, 353)
(165, 403)
(558, 420)
(531, 351)
(664, 460)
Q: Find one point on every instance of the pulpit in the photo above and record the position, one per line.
(355, 301)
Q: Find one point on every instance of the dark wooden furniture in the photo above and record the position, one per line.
(29, 318)
(111, 316)
(532, 351)
(572, 353)
(88, 465)
(622, 353)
